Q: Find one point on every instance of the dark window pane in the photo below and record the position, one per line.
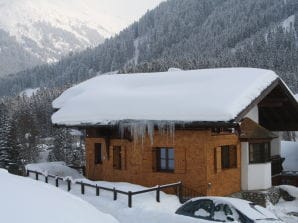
(163, 152)
(163, 164)
(171, 153)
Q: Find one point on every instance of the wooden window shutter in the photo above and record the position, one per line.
(123, 158)
(238, 156)
(180, 160)
(233, 156)
(117, 157)
(154, 159)
(218, 159)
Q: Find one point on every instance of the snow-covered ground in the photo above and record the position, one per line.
(26, 201)
(145, 208)
(284, 208)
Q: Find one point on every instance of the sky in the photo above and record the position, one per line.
(126, 10)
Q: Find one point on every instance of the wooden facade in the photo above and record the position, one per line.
(198, 159)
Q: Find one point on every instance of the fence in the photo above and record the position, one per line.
(176, 186)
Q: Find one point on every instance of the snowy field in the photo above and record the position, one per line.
(26, 201)
(145, 209)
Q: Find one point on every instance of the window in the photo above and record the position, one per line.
(228, 157)
(165, 159)
(97, 153)
(117, 159)
(259, 152)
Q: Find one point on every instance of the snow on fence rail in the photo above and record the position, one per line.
(130, 194)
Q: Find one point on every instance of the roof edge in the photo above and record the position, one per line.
(258, 99)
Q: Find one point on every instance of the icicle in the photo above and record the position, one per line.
(140, 129)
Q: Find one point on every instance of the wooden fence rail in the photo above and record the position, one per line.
(176, 186)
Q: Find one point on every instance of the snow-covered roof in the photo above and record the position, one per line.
(181, 96)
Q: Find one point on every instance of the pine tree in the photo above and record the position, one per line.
(4, 136)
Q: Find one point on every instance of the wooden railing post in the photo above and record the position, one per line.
(115, 194)
(36, 175)
(179, 191)
(27, 173)
(46, 179)
(82, 188)
(129, 199)
(68, 185)
(97, 190)
(158, 194)
(57, 182)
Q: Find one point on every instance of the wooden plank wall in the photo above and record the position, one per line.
(194, 161)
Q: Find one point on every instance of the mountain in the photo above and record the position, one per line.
(44, 31)
(188, 34)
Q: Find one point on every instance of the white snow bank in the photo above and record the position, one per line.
(289, 23)
(289, 150)
(55, 169)
(29, 92)
(185, 96)
(25, 200)
(292, 190)
(296, 96)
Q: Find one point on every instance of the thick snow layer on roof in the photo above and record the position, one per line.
(25, 200)
(185, 96)
(289, 150)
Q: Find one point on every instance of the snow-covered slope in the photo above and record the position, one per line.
(37, 202)
(49, 29)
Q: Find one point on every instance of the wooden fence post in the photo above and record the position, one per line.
(46, 179)
(179, 191)
(36, 175)
(82, 188)
(97, 190)
(68, 185)
(129, 199)
(115, 194)
(57, 182)
(27, 173)
(158, 194)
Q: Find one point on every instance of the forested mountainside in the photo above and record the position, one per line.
(187, 34)
(13, 57)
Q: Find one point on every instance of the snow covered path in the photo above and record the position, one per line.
(145, 208)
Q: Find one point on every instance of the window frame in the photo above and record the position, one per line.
(97, 153)
(167, 159)
(264, 154)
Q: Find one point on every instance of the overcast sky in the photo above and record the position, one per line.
(129, 10)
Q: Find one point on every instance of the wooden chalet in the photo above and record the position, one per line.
(217, 130)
